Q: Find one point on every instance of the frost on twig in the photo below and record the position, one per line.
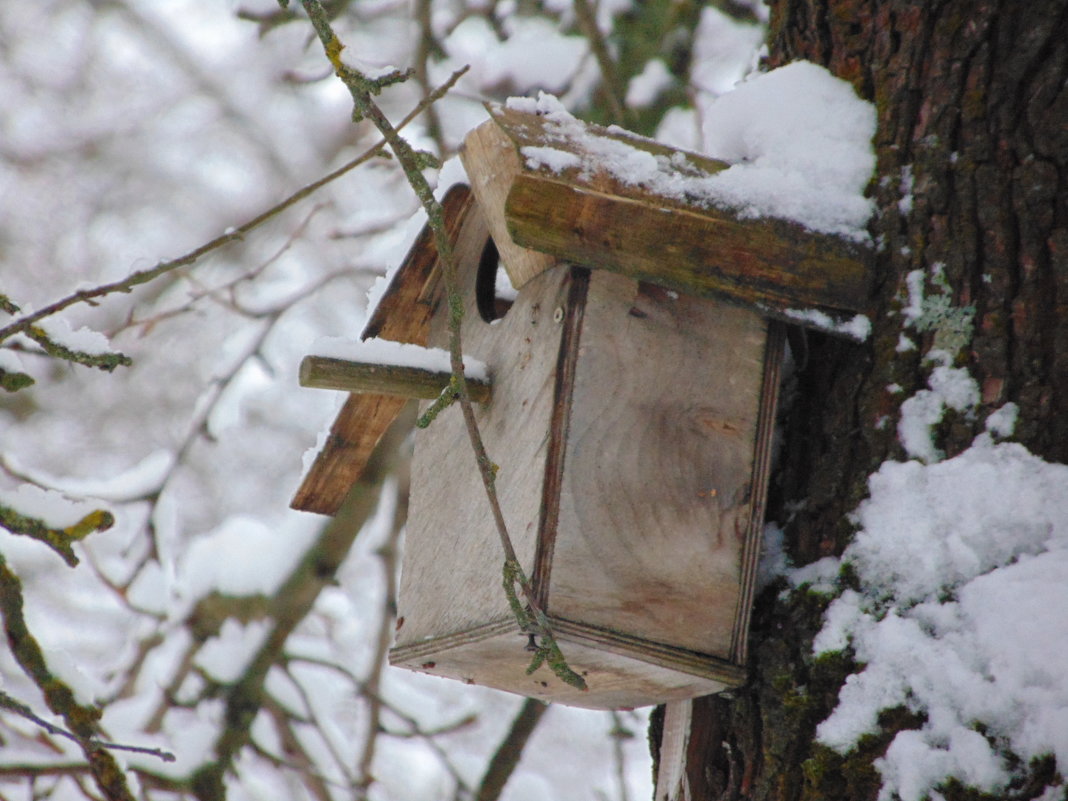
(51, 518)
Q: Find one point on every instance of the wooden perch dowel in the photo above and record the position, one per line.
(322, 372)
(403, 315)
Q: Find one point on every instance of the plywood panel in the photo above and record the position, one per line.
(491, 162)
(655, 500)
(452, 569)
(616, 673)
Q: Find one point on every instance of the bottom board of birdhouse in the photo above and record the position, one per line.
(620, 672)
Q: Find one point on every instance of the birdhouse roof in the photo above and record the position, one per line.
(552, 188)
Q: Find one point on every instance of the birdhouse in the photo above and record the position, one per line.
(628, 407)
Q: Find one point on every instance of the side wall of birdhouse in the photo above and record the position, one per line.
(452, 568)
(655, 500)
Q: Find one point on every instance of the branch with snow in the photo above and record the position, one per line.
(81, 720)
(52, 519)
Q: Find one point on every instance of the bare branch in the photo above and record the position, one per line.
(19, 708)
(427, 45)
(387, 553)
(81, 720)
(59, 540)
(294, 600)
(618, 734)
(135, 279)
(614, 90)
(508, 753)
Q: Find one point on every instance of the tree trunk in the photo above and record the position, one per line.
(972, 116)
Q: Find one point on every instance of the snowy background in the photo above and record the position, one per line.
(132, 132)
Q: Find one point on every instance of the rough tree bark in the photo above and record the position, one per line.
(972, 105)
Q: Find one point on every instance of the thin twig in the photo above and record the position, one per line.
(292, 603)
(613, 84)
(313, 718)
(214, 392)
(81, 720)
(426, 46)
(229, 287)
(361, 90)
(415, 730)
(19, 708)
(618, 733)
(506, 757)
(298, 759)
(144, 276)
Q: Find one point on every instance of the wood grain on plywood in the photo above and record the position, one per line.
(589, 214)
(493, 655)
(452, 577)
(654, 508)
(492, 163)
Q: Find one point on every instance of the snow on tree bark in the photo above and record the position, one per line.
(970, 190)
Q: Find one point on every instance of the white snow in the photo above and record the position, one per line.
(798, 140)
(800, 143)
(225, 656)
(308, 457)
(904, 205)
(552, 158)
(387, 352)
(950, 388)
(818, 575)
(536, 53)
(1002, 422)
(904, 344)
(962, 617)
(136, 481)
(914, 307)
(503, 289)
(647, 85)
(857, 327)
(81, 339)
(724, 50)
(219, 561)
(10, 362)
(54, 509)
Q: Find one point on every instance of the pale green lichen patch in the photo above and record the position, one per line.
(952, 326)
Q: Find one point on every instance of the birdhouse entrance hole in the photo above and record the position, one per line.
(490, 301)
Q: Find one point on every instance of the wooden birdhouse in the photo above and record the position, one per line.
(633, 385)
